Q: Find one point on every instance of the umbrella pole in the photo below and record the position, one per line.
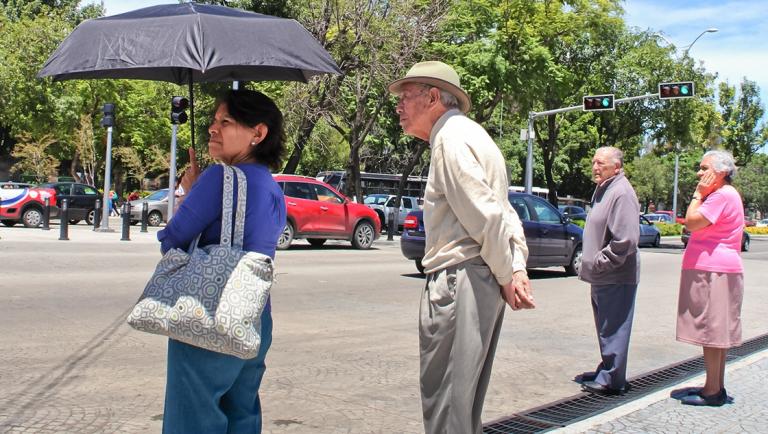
(192, 112)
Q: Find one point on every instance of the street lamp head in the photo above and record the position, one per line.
(712, 30)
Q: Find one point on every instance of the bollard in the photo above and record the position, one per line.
(96, 214)
(144, 215)
(64, 225)
(47, 215)
(391, 226)
(126, 222)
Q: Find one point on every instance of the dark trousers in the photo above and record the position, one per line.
(613, 307)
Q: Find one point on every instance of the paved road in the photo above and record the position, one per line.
(344, 356)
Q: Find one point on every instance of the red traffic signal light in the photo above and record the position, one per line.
(178, 105)
(684, 89)
(593, 103)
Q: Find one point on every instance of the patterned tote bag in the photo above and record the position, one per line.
(210, 297)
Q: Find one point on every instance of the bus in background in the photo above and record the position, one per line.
(376, 183)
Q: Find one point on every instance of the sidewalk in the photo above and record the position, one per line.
(746, 381)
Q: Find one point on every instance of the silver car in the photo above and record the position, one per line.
(383, 204)
(157, 202)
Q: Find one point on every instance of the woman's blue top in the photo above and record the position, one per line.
(200, 211)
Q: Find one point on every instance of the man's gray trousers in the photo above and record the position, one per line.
(613, 307)
(460, 319)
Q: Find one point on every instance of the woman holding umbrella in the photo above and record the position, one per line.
(209, 392)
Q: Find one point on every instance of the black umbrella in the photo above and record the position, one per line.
(189, 42)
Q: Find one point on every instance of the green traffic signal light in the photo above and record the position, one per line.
(597, 103)
(683, 89)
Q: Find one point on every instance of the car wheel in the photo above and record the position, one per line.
(362, 238)
(573, 268)
(74, 221)
(419, 266)
(745, 245)
(154, 218)
(9, 223)
(657, 241)
(286, 237)
(90, 217)
(316, 242)
(32, 217)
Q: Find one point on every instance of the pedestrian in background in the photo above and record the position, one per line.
(611, 265)
(712, 281)
(475, 249)
(209, 392)
(113, 203)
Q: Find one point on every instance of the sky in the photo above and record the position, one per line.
(739, 48)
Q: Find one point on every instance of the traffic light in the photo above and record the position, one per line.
(676, 90)
(593, 103)
(178, 105)
(108, 120)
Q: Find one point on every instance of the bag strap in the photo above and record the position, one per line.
(242, 195)
(227, 201)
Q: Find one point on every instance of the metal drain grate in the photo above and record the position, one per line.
(585, 405)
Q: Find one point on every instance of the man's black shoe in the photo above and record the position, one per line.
(595, 387)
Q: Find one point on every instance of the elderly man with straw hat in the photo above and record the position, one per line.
(475, 249)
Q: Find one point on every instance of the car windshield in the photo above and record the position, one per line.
(157, 195)
(375, 200)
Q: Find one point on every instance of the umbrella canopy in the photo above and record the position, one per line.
(190, 42)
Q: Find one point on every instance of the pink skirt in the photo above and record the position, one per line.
(709, 308)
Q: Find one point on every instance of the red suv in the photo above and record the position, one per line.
(317, 212)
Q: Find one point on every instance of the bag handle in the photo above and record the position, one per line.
(227, 201)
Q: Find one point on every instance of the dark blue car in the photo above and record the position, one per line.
(552, 239)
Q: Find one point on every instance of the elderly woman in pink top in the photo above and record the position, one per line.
(711, 283)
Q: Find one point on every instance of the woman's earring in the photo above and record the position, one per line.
(253, 143)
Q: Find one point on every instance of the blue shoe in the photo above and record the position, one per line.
(685, 391)
(716, 400)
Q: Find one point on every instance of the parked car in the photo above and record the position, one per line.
(573, 212)
(81, 200)
(744, 239)
(383, 204)
(551, 237)
(24, 203)
(317, 212)
(678, 219)
(762, 223)
(157, 203)
(649, 234)
(659, 218)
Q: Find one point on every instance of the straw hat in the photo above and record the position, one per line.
(436, 74)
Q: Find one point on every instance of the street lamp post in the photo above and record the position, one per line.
(677, 151)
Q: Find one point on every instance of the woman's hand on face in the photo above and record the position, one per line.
(706, 184)
(192, 172)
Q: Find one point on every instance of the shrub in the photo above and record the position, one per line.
(668, 229)
(580, 223)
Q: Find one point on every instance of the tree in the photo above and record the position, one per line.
(742, 131)
(33, 158)
(85, 152)
(752, 182)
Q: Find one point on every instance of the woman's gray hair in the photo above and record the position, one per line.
(722, 162)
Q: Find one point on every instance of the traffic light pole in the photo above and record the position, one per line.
(104, 227)
(533, 115)
(172, 174)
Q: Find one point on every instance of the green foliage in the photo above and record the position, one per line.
(668, 229)
(742, 131)
(752, 183)
(34, 161)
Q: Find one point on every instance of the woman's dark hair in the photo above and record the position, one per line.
(249, 107)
